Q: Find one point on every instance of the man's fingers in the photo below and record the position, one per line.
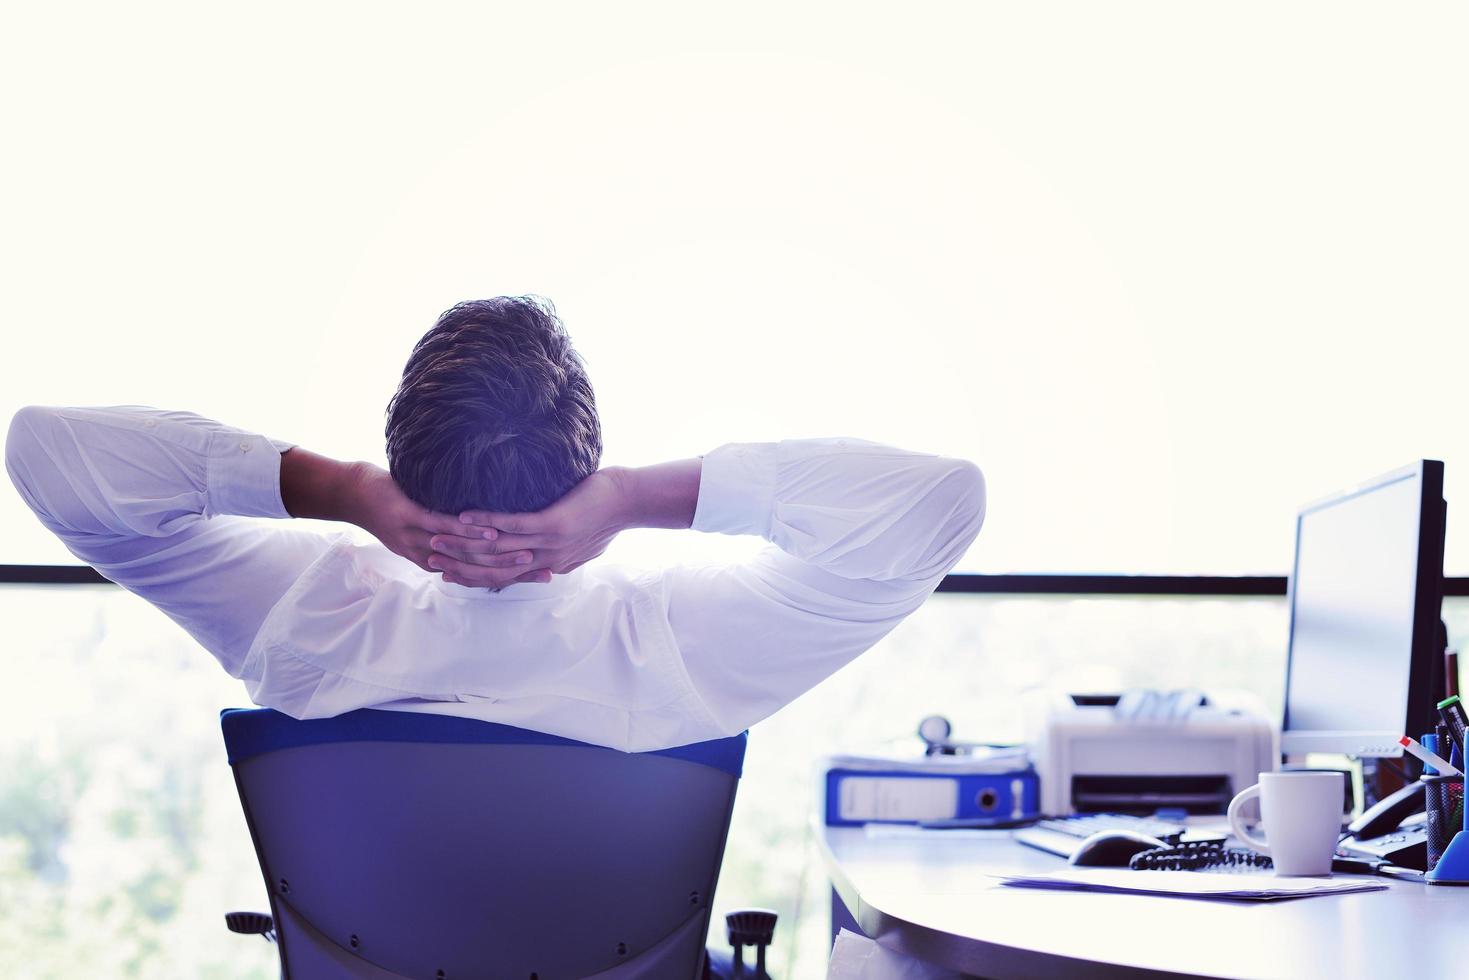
(483, 559)
(464, 573)
(480, 550)
(512, 523)
(480, 545)
(517, 542)
(436, 523)
(450, 544)
(487, 518)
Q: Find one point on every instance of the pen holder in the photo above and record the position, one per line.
(1444, 801)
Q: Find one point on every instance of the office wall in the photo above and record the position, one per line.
(1164, 270)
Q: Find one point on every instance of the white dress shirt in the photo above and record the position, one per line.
(170, 505)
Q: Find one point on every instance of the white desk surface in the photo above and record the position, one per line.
(935, 897)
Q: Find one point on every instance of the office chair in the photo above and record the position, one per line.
(398, 844)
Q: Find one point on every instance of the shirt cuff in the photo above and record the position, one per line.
(737, 490)
(244, 475)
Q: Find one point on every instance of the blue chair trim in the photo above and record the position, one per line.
(249, 732)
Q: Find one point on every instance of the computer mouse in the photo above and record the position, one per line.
(1112, 848)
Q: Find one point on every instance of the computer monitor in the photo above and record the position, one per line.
(1365, 595)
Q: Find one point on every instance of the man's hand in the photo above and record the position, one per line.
(378, 506)
(366, 495)
(563, 537)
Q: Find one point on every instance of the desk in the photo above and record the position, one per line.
(933, 897)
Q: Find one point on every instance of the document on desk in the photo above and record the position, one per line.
(1193, 884)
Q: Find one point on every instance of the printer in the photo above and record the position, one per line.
(1143, 751)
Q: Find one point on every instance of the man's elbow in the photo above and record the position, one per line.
(25, 448)
(971, 497)
(965, 488)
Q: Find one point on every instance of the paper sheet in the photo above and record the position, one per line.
(855, 957)
(1193, 884)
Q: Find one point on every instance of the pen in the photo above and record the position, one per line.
(1438, 762)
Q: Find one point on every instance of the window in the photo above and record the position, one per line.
(1165, 276)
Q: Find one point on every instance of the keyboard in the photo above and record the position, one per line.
(1063, 835)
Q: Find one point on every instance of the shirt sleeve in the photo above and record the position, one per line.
(161, 503)
(860, 535)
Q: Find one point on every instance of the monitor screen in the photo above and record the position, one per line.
(1364, 581)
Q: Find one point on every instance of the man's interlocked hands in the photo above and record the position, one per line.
(491, 550)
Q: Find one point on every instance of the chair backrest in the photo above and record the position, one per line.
(399, 844)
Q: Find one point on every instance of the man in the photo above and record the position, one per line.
(475, 602)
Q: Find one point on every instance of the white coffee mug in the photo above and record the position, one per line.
(1301, 813)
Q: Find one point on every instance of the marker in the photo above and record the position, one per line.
(1438, 762)
(1429, 740)
(1451, 710)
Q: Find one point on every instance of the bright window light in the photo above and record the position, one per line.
(1166, 272)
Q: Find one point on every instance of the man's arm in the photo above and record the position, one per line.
(365, 495)
(158, 502)
(862, 533)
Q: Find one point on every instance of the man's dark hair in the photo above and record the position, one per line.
(494, 411)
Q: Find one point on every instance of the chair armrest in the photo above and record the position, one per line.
(251, 924)
(750, 927)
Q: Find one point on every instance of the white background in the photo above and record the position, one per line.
(1164, 270)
